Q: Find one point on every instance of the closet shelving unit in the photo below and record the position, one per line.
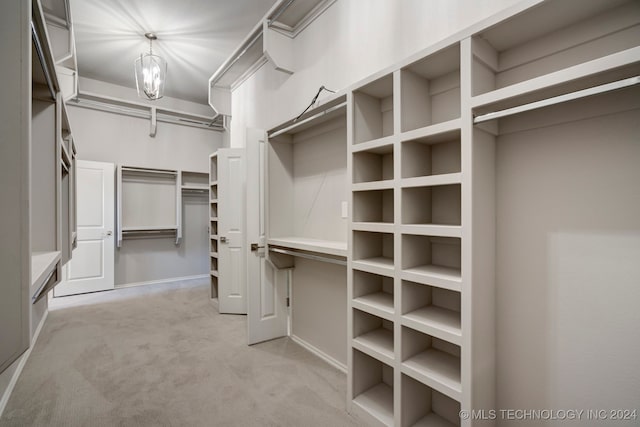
(148, 203)
(422, 163)
(305, 185)
(213, 223)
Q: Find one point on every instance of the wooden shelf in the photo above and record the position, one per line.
(377, 265)
(377, 343)
(437, 369)
(378, 401)
(444, 277)
(436, 321)
(328, 247)
(379, 304)
(42, 263)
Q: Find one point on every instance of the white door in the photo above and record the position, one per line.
(91, 268)
(232, 280)
(266, 286)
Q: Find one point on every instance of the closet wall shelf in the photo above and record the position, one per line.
(442, 277)
(379, 304)
(42, 264)
(432, 180)
(379, 265)
(377, 401)
(374, 145)
(608, 87)
(439, 132)
(438, 370)
(328, 247)
(577, 77)
(379, 227)
(315, 256)
(432, 230)
(386, 184)
(377, 344)
(435, 321)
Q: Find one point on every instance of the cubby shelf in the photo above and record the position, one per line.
(379, 304)
(432, 230)
(377, 344)
(373, 110)
(433, 420)
(378, 227)
(378, 265)
(444, 277)
(378, 401)
(427, 407)
(213, 223)
(373, 185)
(439, 322)
(426, 181)
(436, 369)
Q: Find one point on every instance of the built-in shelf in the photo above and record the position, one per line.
(444, 277)
(425, 407)
(42, 263)
(373, 294)
(432, 230)
(376, 265)
(373, 110)
(436, 205)
(437, 369)
(378, 401)
(327, 247)
(373, 387)
(373, 335)
(432, 155)
(436, 321)
(432, 260)
(379, 304)
(376, 227)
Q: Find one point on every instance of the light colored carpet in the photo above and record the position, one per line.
(169, 359)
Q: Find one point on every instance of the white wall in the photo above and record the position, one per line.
(123, 140)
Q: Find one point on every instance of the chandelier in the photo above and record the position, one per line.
(151, 72)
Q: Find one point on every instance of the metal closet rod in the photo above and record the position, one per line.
(558, 99)
(149, 170)
(308, 119)
(307, 256)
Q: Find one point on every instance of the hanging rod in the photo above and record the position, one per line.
(558, 99)
(307, 120)
(307, 256)
(43, 61)
(149, 170)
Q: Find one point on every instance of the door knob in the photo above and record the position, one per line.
(223, 239)
(109, 233)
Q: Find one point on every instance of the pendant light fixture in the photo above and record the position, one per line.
(151, 73)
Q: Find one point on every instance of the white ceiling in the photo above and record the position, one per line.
(194, 36)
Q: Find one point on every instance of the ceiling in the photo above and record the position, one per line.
(194, 36)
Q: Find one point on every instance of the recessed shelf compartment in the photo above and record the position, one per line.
(373, 165)
(213, 227)
(432, 260)
(373, 335)
(373, 387)
(432, 310)
(423, 406)
(432, 155)
(373, 293)
(194, 180)
(373, 252)
(373, 206)
(373, 110)
(432, 361)
(437, 205)
(430, 89)
(214, 264)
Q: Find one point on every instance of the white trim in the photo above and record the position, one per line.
(317, 352)
(22, 361)
(247, 74)
(161, 281)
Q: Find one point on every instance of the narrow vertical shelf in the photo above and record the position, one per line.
(213, 224)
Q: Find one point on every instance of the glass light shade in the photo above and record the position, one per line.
(151, 75)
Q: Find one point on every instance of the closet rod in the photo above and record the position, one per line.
(148, 170)
(307, 256)
(43, 62)
(308, 119)
(558, 99)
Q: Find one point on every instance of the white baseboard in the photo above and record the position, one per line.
(21, 362)
(322, 355)
(161, 281)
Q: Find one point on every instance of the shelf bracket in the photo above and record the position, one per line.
(154, 122)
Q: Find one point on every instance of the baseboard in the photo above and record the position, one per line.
(161, 281)
(322, 355)
(22, 361)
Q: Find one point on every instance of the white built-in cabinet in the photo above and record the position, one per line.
(38, 171)
(422, 230)
(213, 225)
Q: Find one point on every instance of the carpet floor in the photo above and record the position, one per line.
(169, 359)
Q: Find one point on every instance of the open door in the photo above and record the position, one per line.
(267, 285)
(232, 285)
(92, 267)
